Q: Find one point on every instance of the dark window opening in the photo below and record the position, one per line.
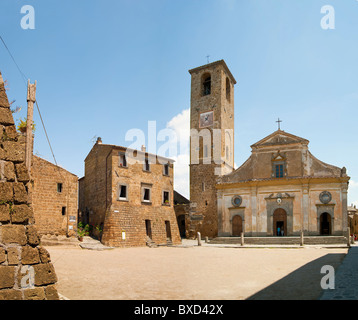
(166, 197)
(63, 211)
(166, 169)
(59, 187)
(207, 86)
(146, 165)
(227, 89)
(146, 196)
(123, 192)
(122, 160)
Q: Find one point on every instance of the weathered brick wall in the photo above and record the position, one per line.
(47, 202)
(102, 176)
(96, 176)
(20, 253)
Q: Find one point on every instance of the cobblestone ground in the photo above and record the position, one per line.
(346, 279)
(192, 272)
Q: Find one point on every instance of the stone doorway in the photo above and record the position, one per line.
(236, 226)
(280, 222)
(148, 228)
(168, 231)
(181, 225)
(325, 224)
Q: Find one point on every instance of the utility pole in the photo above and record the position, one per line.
(31, 98)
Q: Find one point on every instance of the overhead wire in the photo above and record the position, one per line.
(37, 106)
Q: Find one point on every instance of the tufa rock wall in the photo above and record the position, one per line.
(26, 271)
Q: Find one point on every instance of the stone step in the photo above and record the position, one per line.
(309, 240)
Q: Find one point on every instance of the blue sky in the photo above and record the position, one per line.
(105, 67)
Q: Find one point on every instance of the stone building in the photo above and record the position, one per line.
(54, 198)
(211, 143)
(353, 219)
(26, 271)
(129, 194)
(282, 186)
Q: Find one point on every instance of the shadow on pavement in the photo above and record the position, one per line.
(301, 284)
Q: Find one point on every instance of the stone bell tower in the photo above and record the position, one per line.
(211, 143)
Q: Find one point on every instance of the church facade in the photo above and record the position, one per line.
(281, 190)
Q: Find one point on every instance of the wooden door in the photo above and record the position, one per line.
(236, 226)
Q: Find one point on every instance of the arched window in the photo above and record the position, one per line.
(206, 84)
(228, 89)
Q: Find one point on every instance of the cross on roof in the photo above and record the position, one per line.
(279, 123)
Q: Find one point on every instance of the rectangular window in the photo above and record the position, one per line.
(63, 211)
(123, 192)
(146, 194)
(122, 160)
(166, 197)
(146, 166)
(203, 186)
(279, 171)
(166, 170)
(59, 187)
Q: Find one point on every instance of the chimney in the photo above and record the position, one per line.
(143, 148)
(99, 140)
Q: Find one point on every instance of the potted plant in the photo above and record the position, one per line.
(80, 234)
(22, 126)
(82, 231)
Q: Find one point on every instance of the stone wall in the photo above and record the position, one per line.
(26, 271)
(55, 210)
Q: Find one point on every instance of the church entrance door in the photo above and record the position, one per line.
(236, 226)
(280, 222)
(325, 220)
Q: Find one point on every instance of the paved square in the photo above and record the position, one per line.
(192, 273)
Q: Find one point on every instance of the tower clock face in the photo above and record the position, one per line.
(206, 119)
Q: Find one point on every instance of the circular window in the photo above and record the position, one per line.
(236, 201)
(325, 197)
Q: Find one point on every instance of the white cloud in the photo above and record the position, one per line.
(353, 184)
(181, 125)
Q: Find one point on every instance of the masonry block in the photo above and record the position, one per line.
(7, 171)
(7, 277)
(20, 193)
(51, 293)
(6, 117)
(44, 255)
(10, 294)
(6, 191)
(14, 151)
(13, 234)
(45, 274)
(34, 294)
(2, 255)
(32, 237)
(29, 255)
(10, 133)
(13, 256)
(20, 213)
(4, 213)
(21, 172)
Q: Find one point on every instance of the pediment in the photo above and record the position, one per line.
(279, 138)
